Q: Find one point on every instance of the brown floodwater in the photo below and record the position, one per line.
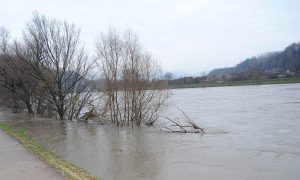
(253, 132)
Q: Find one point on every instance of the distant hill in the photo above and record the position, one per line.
(269, 63)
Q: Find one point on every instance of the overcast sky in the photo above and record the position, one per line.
(186, 36)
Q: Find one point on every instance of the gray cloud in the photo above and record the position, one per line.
(188, 36)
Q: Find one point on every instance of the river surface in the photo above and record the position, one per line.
(253, 132)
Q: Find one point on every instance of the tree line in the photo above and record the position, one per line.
(269, 64)
(49, 73)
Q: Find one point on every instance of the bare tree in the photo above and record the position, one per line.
(4, 40)
(131, 85)
(55, 57)
(169, 76)
(18, 85)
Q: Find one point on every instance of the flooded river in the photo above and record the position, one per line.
(253, 132)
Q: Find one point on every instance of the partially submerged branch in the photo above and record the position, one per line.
(190, 127)
(195, 126)
(176, 124)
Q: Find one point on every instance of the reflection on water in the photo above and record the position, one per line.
(253, 133)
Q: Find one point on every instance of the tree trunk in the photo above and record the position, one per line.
(29, 108)
(61, 114)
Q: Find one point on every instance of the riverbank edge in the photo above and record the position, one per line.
(238, 83)
(67, 169)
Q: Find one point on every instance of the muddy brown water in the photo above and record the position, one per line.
(253, 132)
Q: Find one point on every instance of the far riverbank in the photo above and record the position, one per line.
(238, 83)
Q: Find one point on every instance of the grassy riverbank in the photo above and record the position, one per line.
(67, 169)
(238, 83)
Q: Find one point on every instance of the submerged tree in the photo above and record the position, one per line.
(55, 58)
(17, 85)
(49, 70)
(132, 87)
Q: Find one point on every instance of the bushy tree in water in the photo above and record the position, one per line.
(132, 87)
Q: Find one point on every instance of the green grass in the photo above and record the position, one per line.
(67, 169)
(238, 83)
